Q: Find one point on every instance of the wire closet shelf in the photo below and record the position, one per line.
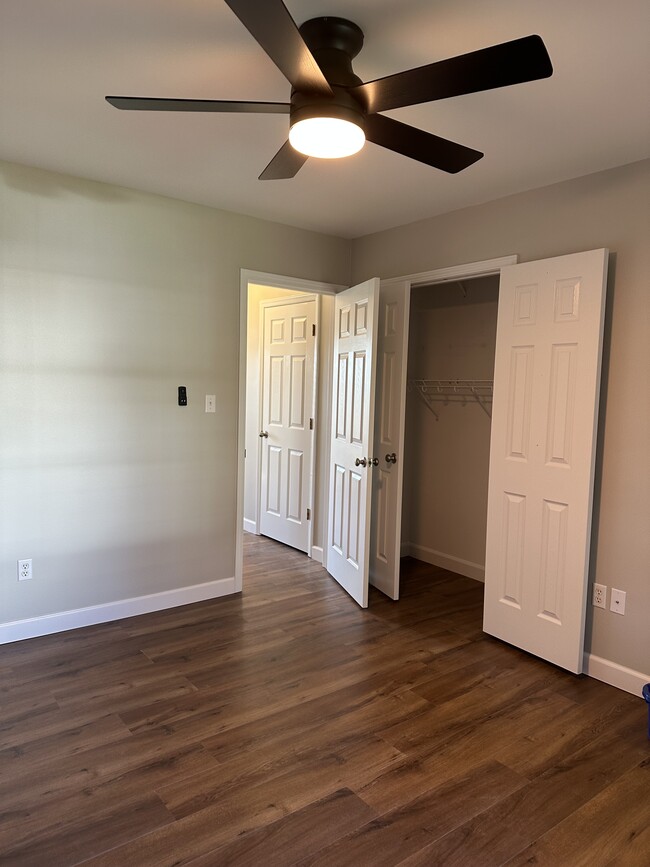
(447, 391)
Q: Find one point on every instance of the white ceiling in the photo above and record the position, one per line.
(59, 59)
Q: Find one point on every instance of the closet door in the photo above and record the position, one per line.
(542, 454)
(351, 442)
(392, 348)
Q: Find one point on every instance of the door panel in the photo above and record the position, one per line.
(297, 390)
(295, 486)
(359, 403)
(392, 345)
(542, 453)
(348, 532)
(287, 401)
(273, 494)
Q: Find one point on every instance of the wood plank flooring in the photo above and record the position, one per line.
(285, 726)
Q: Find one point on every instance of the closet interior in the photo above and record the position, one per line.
(452, 341)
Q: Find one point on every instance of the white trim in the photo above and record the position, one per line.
(277, 281)
(484, 268)
(448, 561)
(280, 282)
(614, 674)
(17, 630)
(317, 553)
(250, 526)
(313, 469)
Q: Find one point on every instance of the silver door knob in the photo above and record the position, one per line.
(360, 462)
(264, 433)
(391, 459)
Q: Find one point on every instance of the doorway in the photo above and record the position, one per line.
(259, 292)
(452, 344)
(542, 454)
(384, 548)
(282, 399)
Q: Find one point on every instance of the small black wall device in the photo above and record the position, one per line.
(182, 395)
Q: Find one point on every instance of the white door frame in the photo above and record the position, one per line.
(266, 305)
(276, 281)
(485, 268)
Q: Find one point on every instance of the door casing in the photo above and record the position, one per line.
(386, 574)
(453, 273)
(483, 268)
(278, 281)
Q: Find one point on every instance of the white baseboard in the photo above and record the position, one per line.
(48, 624)
(250, 526)
(615, 674)
(317, 553)
(447, 561)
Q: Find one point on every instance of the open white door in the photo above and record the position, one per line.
(287, 435)
(542, 454)
(392, 346)
(351, 455)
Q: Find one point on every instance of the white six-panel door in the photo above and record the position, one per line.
(353, 385)
(545, 408)
(390, 408)
(287, 406)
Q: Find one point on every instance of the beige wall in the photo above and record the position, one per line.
(452, 336)
(110, 299)
(609, 209)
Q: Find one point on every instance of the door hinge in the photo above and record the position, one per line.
(309, 514)
(311, 424)
(313, 330)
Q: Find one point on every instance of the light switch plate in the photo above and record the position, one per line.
(210, 403)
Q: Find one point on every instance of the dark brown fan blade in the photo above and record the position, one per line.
(513, 62)
(419, 145)
(270, 23)
(145, 103)
(285, 164)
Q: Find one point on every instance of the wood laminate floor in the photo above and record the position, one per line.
(286, 726)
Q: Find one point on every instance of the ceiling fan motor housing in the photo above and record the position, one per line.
(340, 105)
(332, 112)
(333, 43)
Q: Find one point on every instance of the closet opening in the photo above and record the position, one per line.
(452, 344)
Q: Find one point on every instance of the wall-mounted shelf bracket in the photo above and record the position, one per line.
(448, 391)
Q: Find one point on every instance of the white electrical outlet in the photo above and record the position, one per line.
(24, 570)
(599, 599)
(617, 602)
(210, 403)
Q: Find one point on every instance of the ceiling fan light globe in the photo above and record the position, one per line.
(326, 137)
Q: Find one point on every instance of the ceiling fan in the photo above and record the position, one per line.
(332, 112)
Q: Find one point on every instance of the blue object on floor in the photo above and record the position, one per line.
(646, 695)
